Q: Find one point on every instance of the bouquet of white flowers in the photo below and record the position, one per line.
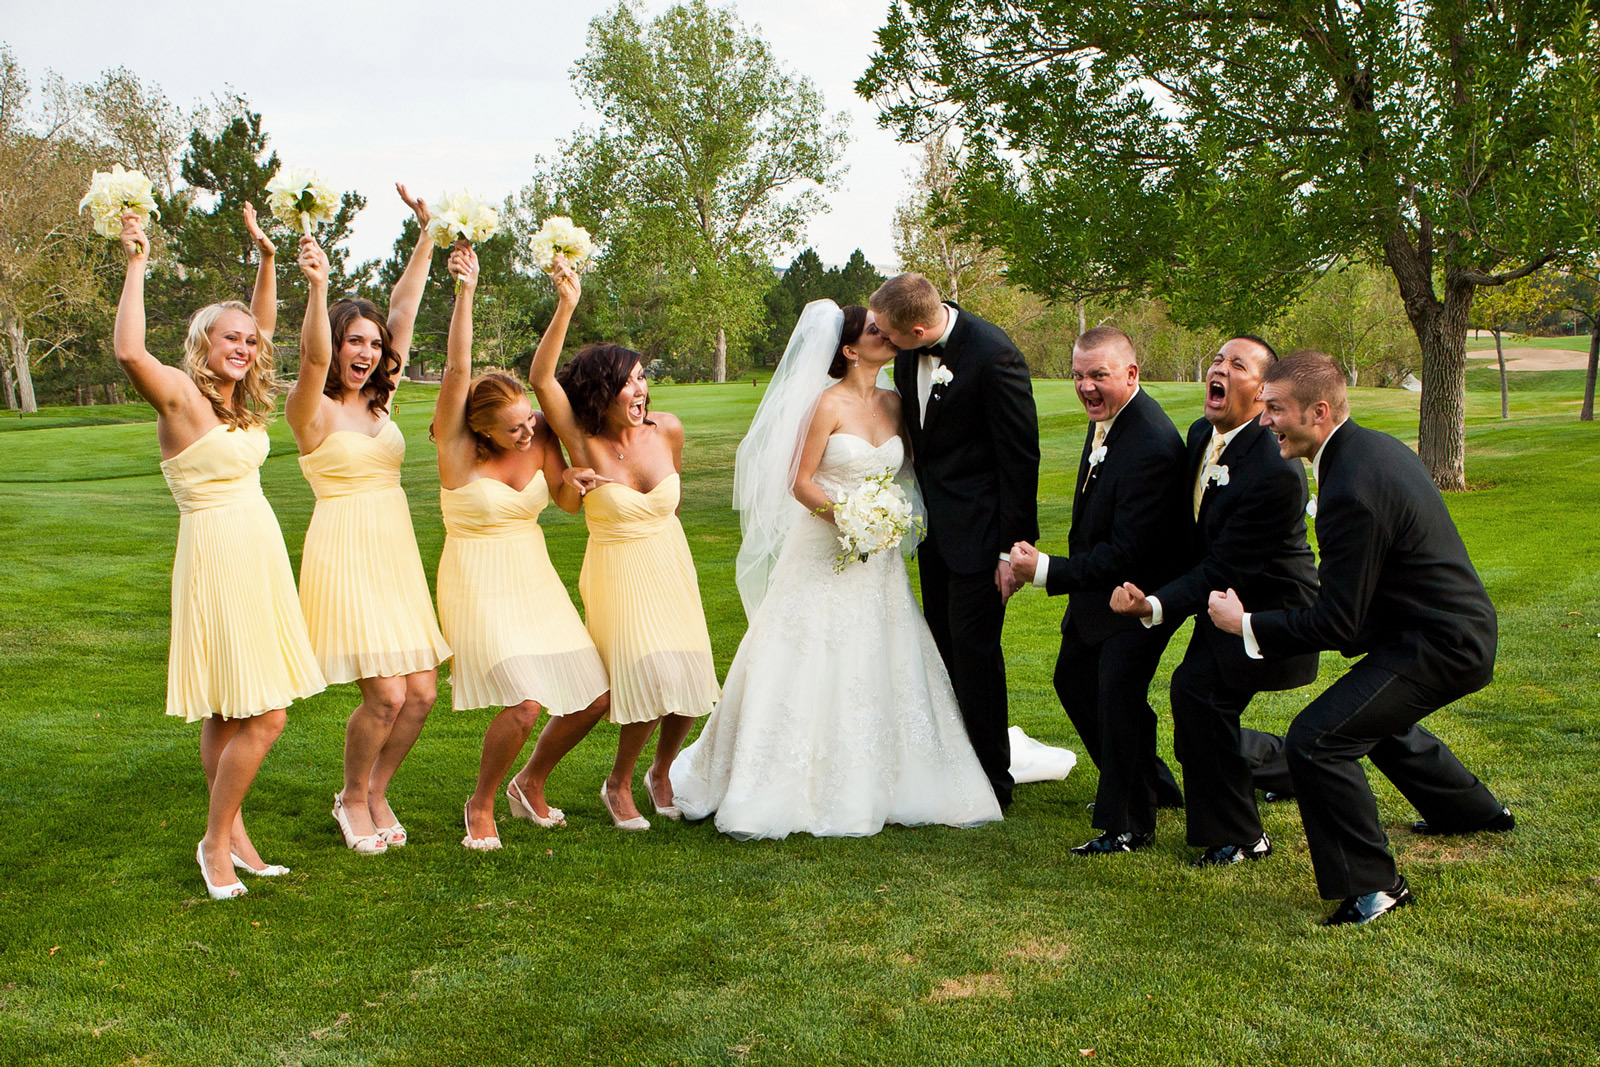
(462, 217)
(111, 194)
(299, 194)
(559, 236)
(872, 519)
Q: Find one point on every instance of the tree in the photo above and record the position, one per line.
(708, 160)
(1583, 298)
(1222, 156)
(1523, 302)
(805, 280)
(1353, 313)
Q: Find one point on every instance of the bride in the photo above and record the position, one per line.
(837, 715)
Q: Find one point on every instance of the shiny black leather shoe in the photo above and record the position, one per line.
(1356, 911)
(1227, 855)
(1497, 824)
(1109, 843)
(1273, 796)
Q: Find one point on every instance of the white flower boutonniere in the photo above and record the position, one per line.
(942, 376)
(1097, 457)
(1311, 508)
(1217, 473)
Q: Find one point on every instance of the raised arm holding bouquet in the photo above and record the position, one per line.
(298, 195)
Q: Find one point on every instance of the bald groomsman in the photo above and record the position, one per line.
(1130, 522)
(1398, 590)
(1249, 505)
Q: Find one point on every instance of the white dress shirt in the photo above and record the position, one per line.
(1044, 560)
(929, 362)
(1156, 616)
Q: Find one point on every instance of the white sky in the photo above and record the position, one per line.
(446, 94)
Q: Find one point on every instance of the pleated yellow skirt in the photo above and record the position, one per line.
(362, 586)
(239, 645)
(642, 600)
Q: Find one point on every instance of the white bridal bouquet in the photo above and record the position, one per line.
(872, 519)
(559, 236)
(111, 194)
(462, 217)
(299, 194)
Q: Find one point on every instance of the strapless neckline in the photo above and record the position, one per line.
(631, 489)
(190, 446)
(538, 476)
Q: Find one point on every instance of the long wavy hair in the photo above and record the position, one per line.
(256, 395)
(593, 378)
(486, 395)
(380, 385)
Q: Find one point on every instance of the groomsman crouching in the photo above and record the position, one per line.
(1248, 503)
(1129, 522)
(1397, 589)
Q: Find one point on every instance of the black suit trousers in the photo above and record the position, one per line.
(966, 614)
(1217, 773)
(1372, 711)
(1105, 691)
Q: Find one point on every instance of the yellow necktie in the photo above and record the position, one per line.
(1213, 453)
(1099, 439)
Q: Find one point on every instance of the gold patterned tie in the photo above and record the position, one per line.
(1099, 439)
(1213, 453)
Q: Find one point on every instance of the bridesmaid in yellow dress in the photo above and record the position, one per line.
(239, 651)
(362, 585)
(638, 580)
(518, 641)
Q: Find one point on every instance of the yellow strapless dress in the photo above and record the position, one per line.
(362, 586)
(504, 610)
(239, 644)
(642, 599)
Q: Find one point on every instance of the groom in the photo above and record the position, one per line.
(974, 433)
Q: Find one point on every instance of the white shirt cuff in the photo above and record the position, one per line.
(1251, 648)
(1155, 613)
(1042, 571)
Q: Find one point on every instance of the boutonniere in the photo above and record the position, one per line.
(1217, 474)
(1311, 508)
(1097, 457)
(942, 376)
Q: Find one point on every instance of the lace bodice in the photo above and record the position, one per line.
(848, 460)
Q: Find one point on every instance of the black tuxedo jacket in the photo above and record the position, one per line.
(1250, 537)
(1397, 585)
(1130, 520)
(977, 455)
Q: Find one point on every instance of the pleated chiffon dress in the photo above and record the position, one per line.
(362, 585)
(504, 610)
(239, 645)
(642, 600)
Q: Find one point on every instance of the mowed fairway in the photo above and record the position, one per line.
(929, 946)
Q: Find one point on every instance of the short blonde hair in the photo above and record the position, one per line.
(1312, 376)
(905, 302)
(257, 395)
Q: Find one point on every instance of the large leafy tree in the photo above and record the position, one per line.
(709, 158)
(1221, 156)
(805, 280)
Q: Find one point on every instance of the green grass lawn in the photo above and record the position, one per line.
(1578, 343)
(929, 946)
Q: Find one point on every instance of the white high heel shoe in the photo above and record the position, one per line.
(217, 892)
(521, 809)
(477, 844)
(367, 844)
(670, 811)
(271, 870)
(638, 822)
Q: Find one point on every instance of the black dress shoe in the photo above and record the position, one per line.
(1495, 824)
(1108, 843)
(1355, 911)
(1227, 855)
(1274, 796)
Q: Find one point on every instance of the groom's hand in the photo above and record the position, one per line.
(1024, 562)
(1006, 580)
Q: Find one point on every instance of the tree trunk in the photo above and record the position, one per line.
(1587, 414)
(1500, 354)
(9, 384)
(18, 340)
(1441, 329)
(1083, 323)
(719, 371)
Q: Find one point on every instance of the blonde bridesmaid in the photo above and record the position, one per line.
(518, 641)
(638, 580)
(239, 651)
(362, 585)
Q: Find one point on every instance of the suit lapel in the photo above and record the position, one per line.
(905, 383)
(1080, 494)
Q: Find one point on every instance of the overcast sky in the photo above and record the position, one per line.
(446, 94)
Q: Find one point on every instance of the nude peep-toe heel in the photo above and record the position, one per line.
(217, 892)
(521, 809)
(366, 844)
(638, 822)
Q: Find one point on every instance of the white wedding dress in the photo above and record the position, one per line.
(837, 715)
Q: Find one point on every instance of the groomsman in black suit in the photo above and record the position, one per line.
(1398, 590)
(1249, 505)
(968, 404)
(1129, 522)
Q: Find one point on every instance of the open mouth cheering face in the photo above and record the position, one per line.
(359, 353)
(1233, 384)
